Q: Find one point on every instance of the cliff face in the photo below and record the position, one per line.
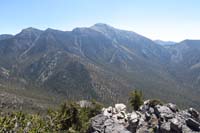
(167, 118)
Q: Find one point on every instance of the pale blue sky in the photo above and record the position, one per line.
(157, 19)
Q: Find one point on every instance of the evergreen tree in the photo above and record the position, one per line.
(136, 99)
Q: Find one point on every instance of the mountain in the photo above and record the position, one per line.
(98, 62)
(185, 57)
(164, 43)
(5, 36)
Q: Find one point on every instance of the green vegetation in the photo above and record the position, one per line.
(70, 117)
(136, 99)
(154, 102)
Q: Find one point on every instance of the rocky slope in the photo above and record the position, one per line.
(167, 118)
(98, 62)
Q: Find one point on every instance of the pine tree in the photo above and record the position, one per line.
(136, 99)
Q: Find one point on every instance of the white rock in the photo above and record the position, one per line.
(120, 107)
(146, 102)
(84, 103)
(120, 118)
(107, 112)
(134, 117)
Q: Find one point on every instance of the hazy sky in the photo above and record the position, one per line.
(173, 20)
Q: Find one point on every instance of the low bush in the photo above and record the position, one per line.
(70, 117)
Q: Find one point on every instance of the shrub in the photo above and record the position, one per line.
(154, 102)
(69, 118)
(136, 99)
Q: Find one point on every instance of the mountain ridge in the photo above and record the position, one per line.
(99, 62)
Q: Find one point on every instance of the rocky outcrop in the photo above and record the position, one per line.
(165, 118)
(84, 103)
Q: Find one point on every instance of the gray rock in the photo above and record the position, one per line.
(108, 111)
(134, 117)
(186, 129)
(110, 121)
(84, 104)
(142, 126)
(110, 126)
(165, 128)
(163, 112)
(160, 119)
(133, 122)
(176, 125)
(145, 107)
(120, 107)
(120, 118)
(97, 123)
(147, 116)
(194, 125)
(193, 112)
(184, 114)
(151, 110)
(173, 107)
(144, 129)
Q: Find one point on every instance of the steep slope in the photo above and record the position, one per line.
(12, 48)
(99, 62)
(5, 36)
(185, 57)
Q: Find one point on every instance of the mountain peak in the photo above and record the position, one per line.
(29, 31)
(50, 29)
(190, 42)
(105, 29)
(101, 26)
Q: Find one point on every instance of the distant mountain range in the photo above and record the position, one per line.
(5, 36)
(164, 43)
(98, 62)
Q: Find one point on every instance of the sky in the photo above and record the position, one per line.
(168, 20)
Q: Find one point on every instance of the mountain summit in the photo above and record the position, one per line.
(98, 62)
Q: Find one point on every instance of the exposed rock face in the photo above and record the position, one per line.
(193, 124)
(96, 62)
(163, 112)
(84, 103)
(104, 124)
(160, 119)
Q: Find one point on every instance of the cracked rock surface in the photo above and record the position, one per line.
(167, 118)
